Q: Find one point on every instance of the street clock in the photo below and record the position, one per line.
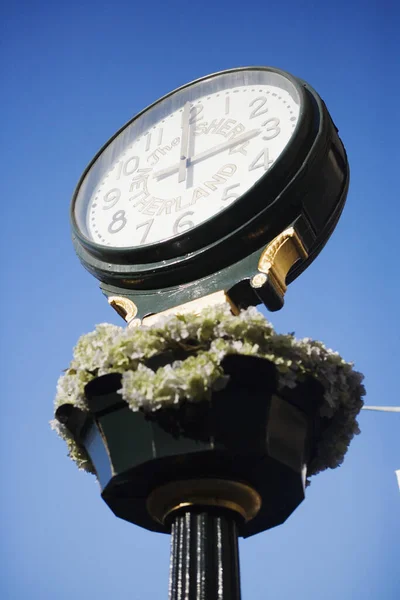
(230, 184)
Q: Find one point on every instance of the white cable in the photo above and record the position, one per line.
(387, 409)
(383, 408)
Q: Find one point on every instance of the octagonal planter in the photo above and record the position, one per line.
(248, 433)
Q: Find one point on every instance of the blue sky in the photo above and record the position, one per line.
(72, 74)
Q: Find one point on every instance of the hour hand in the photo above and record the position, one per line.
(183, 161)
(207, 153)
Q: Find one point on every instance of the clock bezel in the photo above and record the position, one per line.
(238, 214)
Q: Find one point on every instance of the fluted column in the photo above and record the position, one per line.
(204, 556)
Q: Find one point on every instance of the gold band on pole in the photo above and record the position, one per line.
(233, 495)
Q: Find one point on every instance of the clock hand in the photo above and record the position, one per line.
(184, 143)
(207, 153)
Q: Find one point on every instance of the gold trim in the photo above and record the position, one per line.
(257, 281)
(124, 307)
(194, 306)
(235, 496)
(278, 257)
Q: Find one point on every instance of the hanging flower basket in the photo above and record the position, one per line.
(228, 389)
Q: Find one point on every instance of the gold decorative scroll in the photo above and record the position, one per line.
(278, 257)
(124, 307)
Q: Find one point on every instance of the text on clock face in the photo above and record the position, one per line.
(146, 204)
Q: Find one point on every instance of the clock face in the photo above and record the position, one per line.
(187, 158)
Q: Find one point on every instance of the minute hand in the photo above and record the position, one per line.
(210, 152)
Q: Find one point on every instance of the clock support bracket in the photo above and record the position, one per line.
(268, 283)
(274, 264)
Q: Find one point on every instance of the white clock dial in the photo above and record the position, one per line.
(192, 163)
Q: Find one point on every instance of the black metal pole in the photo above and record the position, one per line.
(204, 555)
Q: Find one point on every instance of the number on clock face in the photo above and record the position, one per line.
(118, 222)
(261, 160)
(111, 198)
(128, 167)
(190, 164)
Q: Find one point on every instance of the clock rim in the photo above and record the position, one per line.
(201, 235)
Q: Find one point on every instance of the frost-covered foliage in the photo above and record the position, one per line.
(197, 344)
